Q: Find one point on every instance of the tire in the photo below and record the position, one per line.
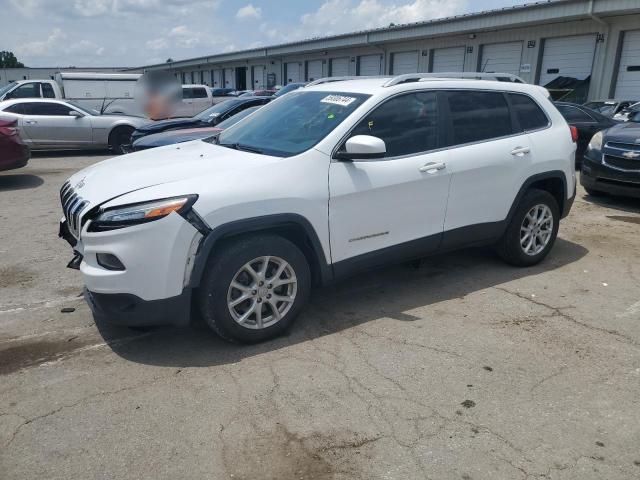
(510, 248)
(229, 264)
(119, 137)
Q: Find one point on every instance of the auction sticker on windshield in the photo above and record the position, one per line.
(338, 100)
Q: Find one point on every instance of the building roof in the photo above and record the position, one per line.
(547, 11)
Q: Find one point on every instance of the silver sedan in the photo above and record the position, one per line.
(46, 124)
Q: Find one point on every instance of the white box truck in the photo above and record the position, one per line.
(105, 92)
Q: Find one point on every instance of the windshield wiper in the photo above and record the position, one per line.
(240, 146)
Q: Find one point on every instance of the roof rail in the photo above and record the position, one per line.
(341, 79)
(418, 77)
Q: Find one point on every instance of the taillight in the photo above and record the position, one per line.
(574, 133)
(8, 131)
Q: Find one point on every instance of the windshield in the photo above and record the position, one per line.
(237, 117)
(287, 89)
(292, 124)
(87, 111)
(6, 88)
(604, 108)
(217, 110)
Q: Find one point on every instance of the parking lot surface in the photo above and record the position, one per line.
(459, 368)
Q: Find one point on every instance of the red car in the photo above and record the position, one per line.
(13, 152)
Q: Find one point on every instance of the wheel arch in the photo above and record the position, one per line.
(293, 227)
(554, 182)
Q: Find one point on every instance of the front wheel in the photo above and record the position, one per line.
(532, 230)
(254, 287)
(120, 138)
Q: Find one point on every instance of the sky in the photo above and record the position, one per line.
(92, 33)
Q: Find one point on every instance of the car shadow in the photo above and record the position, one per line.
(626, 204)
(69, 153)
(385, 293)
(19, 181)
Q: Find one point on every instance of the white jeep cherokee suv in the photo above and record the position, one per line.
(324, 182)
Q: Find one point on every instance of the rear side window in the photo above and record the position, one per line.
(408, 124)
(575, 115)
(47, 91)
(477, 116)
(186, 93)
(529, 114)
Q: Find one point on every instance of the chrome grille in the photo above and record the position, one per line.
(72, 206)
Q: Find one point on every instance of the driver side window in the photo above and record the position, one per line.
(408, 124)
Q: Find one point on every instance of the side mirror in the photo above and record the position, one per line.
(75, 113)
(362, 147)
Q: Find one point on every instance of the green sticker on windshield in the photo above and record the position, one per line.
(331, 116)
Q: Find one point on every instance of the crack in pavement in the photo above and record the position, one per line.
(558, 312)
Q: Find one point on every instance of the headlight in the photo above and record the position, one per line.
(596, 142)
(137, 213)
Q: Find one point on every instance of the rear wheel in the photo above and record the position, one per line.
(254, 288)
(532, 230)
(119, 138)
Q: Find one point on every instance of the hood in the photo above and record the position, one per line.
(112, 178)
(161, 125)
(175, 136)
(628, 132)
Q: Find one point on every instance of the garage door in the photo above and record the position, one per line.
(570, 57)
(448, 59)
(628, 83)
(404, 62)
(339, 67)
(229, 78)
(501, 58)
(370, 65)
(259, 75)
(292, 72)
(314, 70)
(217, 78)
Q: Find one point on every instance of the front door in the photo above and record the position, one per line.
(391, 208)
(50, 125)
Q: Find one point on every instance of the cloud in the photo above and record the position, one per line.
(59, 44)
(340, 16)
(96, 8)
(249, 12)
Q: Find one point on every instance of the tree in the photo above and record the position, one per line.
(9, 60)
(169, 60)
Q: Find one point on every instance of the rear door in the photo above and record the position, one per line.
(486, 164)
(185, 108)
(49, 125)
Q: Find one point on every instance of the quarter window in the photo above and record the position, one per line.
(198, 93)
(408, 124)
(47, 91)
(575, 115)
(477, 116)
(529, 114)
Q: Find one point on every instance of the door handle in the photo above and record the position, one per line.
(30, 122)
(433, 167)
(520, 151)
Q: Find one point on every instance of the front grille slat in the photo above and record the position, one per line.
(622, 163)
(72, 206)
